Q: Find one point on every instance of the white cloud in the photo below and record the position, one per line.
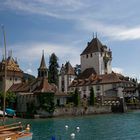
(29, 71)
(54, 8)
(83, 14)
(118, 70)
(113, 31)
(33, 53)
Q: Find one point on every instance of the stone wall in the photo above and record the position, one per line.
(81, 111)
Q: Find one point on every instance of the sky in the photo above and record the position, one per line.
(65, 26)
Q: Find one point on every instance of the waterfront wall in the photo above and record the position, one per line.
(78, 111)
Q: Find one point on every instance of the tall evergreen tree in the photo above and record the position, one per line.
(92, 97)
(76, 98)
(53, 69)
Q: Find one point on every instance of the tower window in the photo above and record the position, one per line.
(91, 55)
(87, 55)
(62, 89)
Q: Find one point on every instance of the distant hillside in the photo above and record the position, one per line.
(28, 77)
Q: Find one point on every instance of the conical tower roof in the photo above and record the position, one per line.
(43, 64)
(42, 70)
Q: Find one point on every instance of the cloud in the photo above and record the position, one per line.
(118, 70)
(112, 31)
(31, 52)
(29, 71)
(54, 8)
(83, 13)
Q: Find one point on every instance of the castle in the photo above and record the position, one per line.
(95, 71)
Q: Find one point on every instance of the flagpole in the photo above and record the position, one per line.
(5, 75)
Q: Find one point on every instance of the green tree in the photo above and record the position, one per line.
(92, 97)
(46, 101)
(76, 98)
(10, 99)
(53, 69)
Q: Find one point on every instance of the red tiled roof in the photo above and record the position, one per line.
(87, 73)
(94, 46)
(45, 87)
(99, 79)
(40, 85)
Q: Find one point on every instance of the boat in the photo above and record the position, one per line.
(10, 112)
(14, 131)
(1, 113)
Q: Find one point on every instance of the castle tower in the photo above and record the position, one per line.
(14, 73)
(96, 56)
(42, 70)
(67, 75)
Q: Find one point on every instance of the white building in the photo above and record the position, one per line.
(96, 56)
(66, 76)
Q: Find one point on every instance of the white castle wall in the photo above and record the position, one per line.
(90, 62)
(95, 61)
(60, 83)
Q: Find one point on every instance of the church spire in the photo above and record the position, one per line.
(43, 64)
(42, 70)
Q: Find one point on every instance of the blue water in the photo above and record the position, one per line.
(98, 127)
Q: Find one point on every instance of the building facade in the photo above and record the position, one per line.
(14, 73)
(96, 56)
(66, 76)
(28, 92)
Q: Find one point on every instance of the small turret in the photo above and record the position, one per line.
(42, 70)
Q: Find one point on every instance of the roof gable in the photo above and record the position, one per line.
(69, 69)
(94, 46)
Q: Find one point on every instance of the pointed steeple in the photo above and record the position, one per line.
(42, 70)
(42, 64)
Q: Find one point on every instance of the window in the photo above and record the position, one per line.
(84, 88)
(91, 55)
(10, 78)
(62, 89)
(98, 87)
(114, 85)
(62, 83)
(87, 55)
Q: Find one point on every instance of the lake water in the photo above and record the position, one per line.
(98, 127)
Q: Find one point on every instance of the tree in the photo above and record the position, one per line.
(53, 69)
(76, 97)
(10, 99)
(92, 97)
(46, 101)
